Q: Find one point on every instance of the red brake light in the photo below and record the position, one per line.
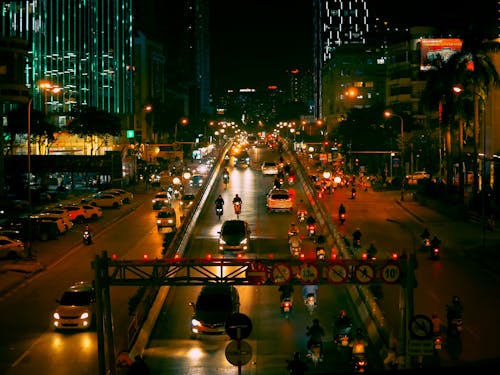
(177, 256)
(364, 256)
(114, 257)
(395, 256)
(145, 257)
(302, 256)
(240, 256)
(208, 257)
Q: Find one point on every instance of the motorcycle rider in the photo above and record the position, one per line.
(341, 210)
(87, 230)
(310, 289)
(435, 242)
(353, 193)
(296, 366)
(237, 199)
(436, 324)
(293, 230)
(356, 237)
(371, 251)
(277, 183)
(342, 323)
(286, 291)
(219, 202)
(315, 333)
(358, 344)
(455, 310)
(425, 234)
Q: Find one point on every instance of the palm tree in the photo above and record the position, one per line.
(472, 70)
(475, 73)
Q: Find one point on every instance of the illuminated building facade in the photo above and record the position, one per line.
(82, 47)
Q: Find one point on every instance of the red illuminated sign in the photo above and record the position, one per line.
(434, 52)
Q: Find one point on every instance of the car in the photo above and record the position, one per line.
(417, 176)
(196, 181)
(279, 200)
(92, 213)
(12, 233)
(55, 219)
(234, 236)
(126, 196)
(215, 303)
(161, 199)
(76, 307)
(104, 201)
(76, 212)
(242, 160)
(269, 168)
(59, 212)
(187, 201)
(166, 218)
(11, 248)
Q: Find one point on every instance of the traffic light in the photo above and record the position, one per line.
(356, 161)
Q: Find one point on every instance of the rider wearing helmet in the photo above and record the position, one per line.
(219, 202)
(293, 230)
(236, 199)
(315, 333)
(358, 344)
(455, 310)
(296, 366)
(341, 209)
(343, 322)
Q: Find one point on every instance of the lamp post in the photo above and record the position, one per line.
(28, 152)
(389, 114)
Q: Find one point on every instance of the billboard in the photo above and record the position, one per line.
(434, 52)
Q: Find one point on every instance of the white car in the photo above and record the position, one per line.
(124, 194)
(279, 200)
(416, 176)
(77, 213)
(104, 200)
(161, 199)
(11, 248)
(58, 213)
(269, 167)
(92, 212)
(76, 307)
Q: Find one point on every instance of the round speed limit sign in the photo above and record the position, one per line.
(390, 272)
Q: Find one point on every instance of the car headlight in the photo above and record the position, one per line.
(85, 315)
(195, 323)
(158, 221)
(170, 221)
(244, 241)
(154, 201)
(221, 241)
(56, 316)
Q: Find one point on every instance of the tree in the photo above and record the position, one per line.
(473, 70)
(41, 130)
(94, 124)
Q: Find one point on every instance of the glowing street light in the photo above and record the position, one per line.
(388, 114)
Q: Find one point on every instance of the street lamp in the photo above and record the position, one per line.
(184, 122)
(389, 114)
(28, 152)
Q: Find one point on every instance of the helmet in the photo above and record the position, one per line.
(434, 315)
(357, 228)
(343, 313)
(455, 299)
(236, 195)
(316, 322)
(293, 224)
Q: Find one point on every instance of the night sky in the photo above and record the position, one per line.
(253, 42)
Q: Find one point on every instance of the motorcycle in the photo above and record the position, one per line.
(311, 230)
(359, 362)
(295, 246)
(237, 208)
(342, 218)
(87, 237)
(315, 354)
(302, 216)
(320, 253)
(455, 326)
(219, 211)
(310, 302)
(356, 243)
(353, 194)
(291, 180)
(435, 253)
(225, 179)
(426, 244)
(342, 337)
(286, 306)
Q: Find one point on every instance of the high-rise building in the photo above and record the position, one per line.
(335, 23)
(83, 48)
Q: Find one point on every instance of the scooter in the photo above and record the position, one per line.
(311, 230)
(225, 179)
(295, 246)
(359, 362)
(87, 237)
(320, 253)
(342, 218)
(341, 339)
(286, 306)
(310, 302)
(435, 253)
(237, 208)
(219, 211)
(315, 354)
(302, 216)
(426, 244)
